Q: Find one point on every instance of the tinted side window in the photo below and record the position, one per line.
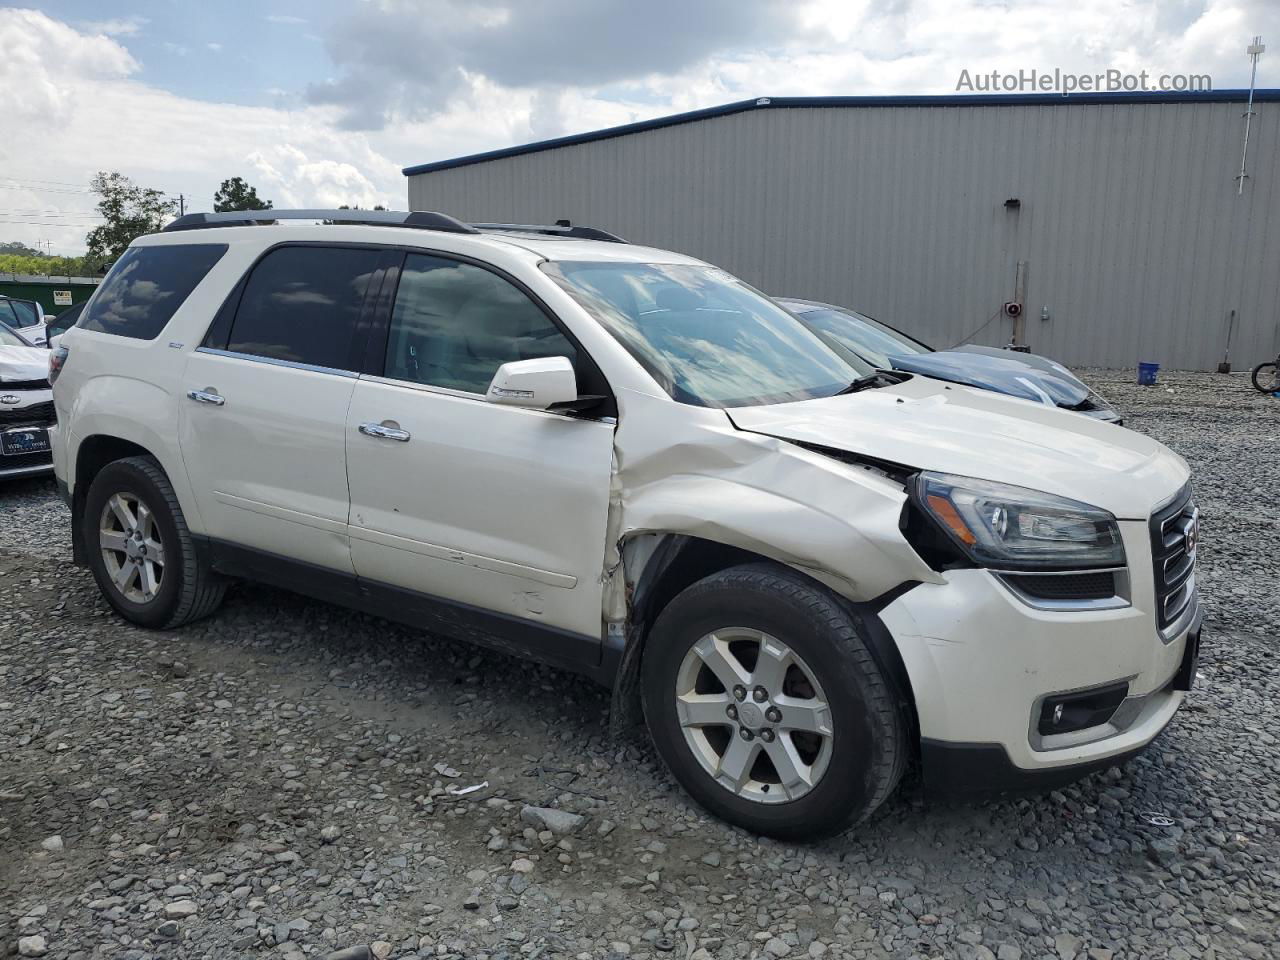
(147, 286)
(302, 303)
(454, 324)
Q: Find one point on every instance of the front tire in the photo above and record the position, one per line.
(765, 702)
(140, 550)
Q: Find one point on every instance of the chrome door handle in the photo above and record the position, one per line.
(207, 395)
(384, 432)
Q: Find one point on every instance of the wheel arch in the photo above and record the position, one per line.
(92, 453)
(659, 566)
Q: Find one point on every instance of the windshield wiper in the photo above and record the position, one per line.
(863, 383)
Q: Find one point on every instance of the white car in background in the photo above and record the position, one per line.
(26, 317)
(26, 407)
(626, 462)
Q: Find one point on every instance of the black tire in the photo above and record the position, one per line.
(869, 746)
(188, 589)
(1263, 376)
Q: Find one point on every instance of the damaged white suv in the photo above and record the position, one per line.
(627, 463)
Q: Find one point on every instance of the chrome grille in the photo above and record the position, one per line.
(1174, 533)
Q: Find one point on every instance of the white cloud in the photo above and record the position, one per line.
(77, 97)
(38, 53)
(215, 47)
(284, 18)
(120, 27)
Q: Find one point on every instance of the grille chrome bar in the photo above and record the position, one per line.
(1174, 532)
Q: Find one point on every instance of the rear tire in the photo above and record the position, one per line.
(140, 550)
(831, 772)
(1264, 377)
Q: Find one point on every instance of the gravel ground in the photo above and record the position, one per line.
(288, 779)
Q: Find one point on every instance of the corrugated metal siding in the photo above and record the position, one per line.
(1134, 235)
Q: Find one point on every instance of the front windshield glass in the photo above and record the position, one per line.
(706, 337)
(872, 341)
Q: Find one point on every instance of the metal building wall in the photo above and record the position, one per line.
(1130, 224)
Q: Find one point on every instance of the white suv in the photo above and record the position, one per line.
(625, 462)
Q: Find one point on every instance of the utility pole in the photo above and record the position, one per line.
(1254, 51)
(182, 205)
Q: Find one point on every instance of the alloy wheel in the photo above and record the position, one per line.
(132, 551)
(754, 715)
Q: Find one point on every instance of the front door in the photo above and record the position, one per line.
(263, 422)
(499, 511)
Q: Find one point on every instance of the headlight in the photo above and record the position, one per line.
(1008, 527)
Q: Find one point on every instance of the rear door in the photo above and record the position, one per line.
(265, 405)
(499, 510)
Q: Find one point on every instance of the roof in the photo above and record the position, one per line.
(597, 251)
(946, 100)
(488, 245)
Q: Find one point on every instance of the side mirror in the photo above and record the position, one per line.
(537, 384)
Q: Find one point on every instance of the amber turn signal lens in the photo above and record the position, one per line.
(946, 512)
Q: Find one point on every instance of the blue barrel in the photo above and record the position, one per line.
(1147, 374)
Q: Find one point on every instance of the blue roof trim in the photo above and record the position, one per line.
(944, 100)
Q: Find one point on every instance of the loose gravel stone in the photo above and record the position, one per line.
(180, 909)
(559, 822)
(35, 946)
(306, 753)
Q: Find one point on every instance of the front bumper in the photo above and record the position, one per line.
(982, 663)
(974, 770)
(29, 470)
(25, 408)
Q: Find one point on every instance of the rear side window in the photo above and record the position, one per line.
(25, 312)
(301, 304)
(147, 286)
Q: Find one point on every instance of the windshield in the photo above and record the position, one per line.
(8, 338)
(706, 337)
(65, 320)
(872, 341)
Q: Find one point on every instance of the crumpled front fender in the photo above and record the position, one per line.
(702, 477)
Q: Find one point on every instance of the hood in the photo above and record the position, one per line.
(23, 363)
(1001, 374)
(1033, 360)
(928, 425)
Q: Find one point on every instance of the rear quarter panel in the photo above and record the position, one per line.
(119, 387)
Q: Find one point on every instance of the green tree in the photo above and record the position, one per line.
(14, 260)
(236, 194)
(129, 211)
(18, 249)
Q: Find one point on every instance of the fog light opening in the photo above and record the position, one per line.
(1069, 712)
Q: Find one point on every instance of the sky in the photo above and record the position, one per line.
(322, 102)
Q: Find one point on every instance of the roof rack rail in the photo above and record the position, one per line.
(561, 228)
(421, 220)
